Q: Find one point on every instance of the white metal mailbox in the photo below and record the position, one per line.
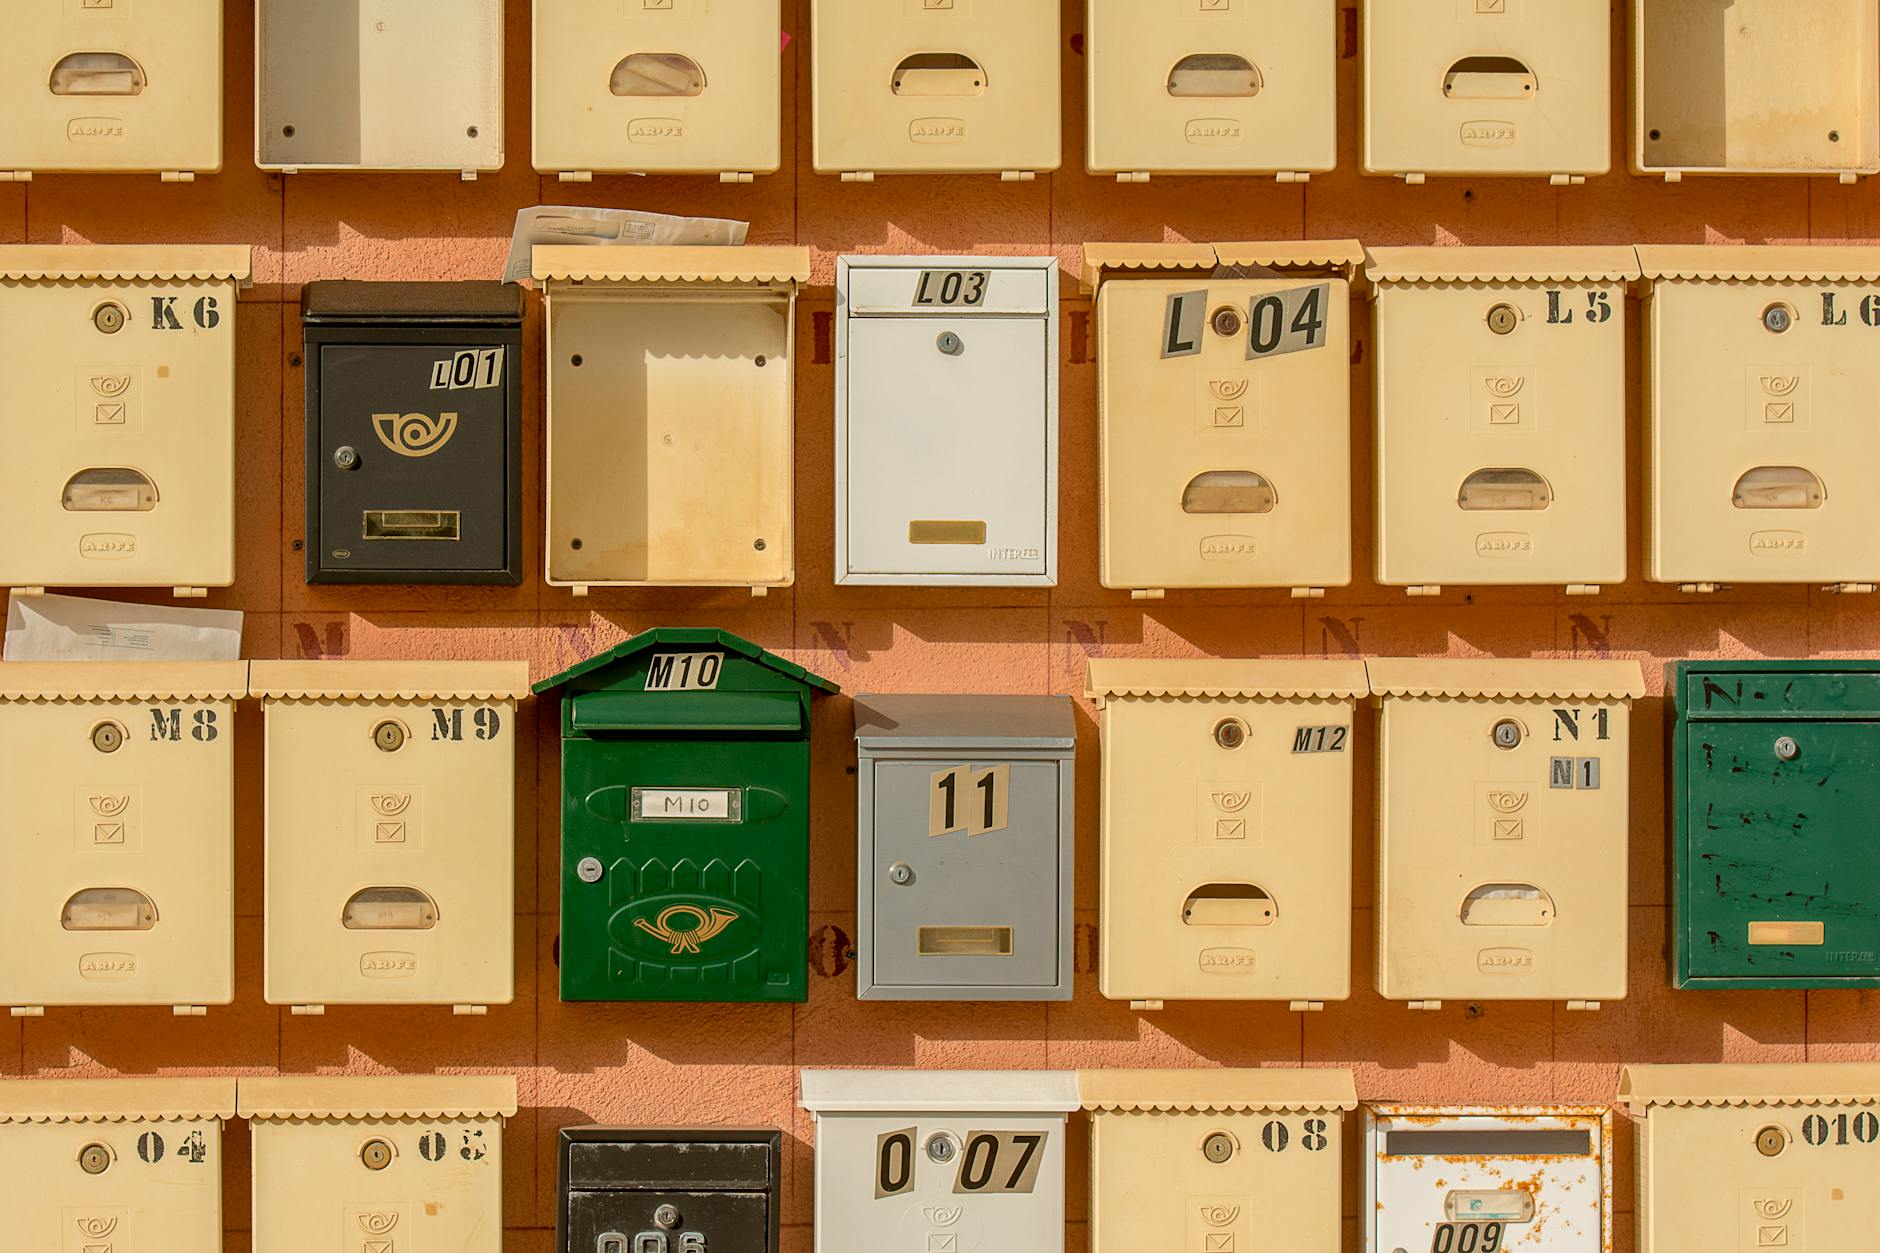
(1488, 1179)
(112, 86)
(939, 1161)
(947, 421)
(113, 1165)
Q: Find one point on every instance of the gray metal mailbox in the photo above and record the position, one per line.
(965, 833)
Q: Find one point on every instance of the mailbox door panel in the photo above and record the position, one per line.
(717, 1220)
(162, 1189)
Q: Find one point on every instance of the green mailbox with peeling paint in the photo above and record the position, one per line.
(1775, 781)
(685, 821)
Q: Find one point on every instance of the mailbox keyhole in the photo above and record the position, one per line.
(94, 1159)
(107, 737)
(1778, 318)
(1503, 319)
(1218, 1148)
(1770, 1141)
(950, 344)
(110, 317)
(666, 1216)
(1787, 749)
(1230, 733)
(1507, 734)
(389, 736)
(375, 1154)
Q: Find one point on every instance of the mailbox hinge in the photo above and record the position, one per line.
(736, 176)
(1308, 593)
(759, 591)
(1145, 1006)
(189, 593)
(189, 1011)
(1587, 1006)
(178, 176)
(1849, 178)
(468, 176)
(309, 1011)
(1017, 176)
(1566, 180)
(1674, 176)
(1414, 180)
(29, 1011)
(1426, 589)
(16, 176)
(578, 590)
(470, 1011)
(858, 176)
(1582, 589)
(1306, 1007)
(1293, 176)
(29, 591)
(1147, 593)
(577, 176)
(1849, 589)
(1132, 176)
(1700, 589)
(1426, 1005)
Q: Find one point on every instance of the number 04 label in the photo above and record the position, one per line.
(1288, 321)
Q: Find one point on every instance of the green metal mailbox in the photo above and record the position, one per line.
(1775, 780)
(685, 821)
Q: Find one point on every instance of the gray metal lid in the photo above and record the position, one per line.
(963, 721)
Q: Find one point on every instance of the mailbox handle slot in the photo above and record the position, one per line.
(97, 74)
(939, 74)
(1229, 905)
(412, 524)
(389, 909)
(1215, 74)
(109, 489)
(1490, 78)
(1229, 491)
(963, 941)
(1507, 905)
(109, 909)
(1779, 487)
(1504, 488)
(657, 74)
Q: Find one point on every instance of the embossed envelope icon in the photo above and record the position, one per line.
(1509, 828)
(1779, 411)
(108, 833)
(943, 1242)
(1230, 828)
(110, 413)
(377, 1246)
(1219, 1242)
(391, 833)
(1772, 1237)
(1503, 415)
(1230, 415)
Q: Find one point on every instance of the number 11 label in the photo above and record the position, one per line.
(961, 798)
(1288, 321)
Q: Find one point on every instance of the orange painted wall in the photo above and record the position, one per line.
(727, 1064)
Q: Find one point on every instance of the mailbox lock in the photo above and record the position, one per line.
(110, 317)
(950, 344)
(107, 737)
(1787, 749)
(666, 1216)
(1227, 321)
(1503, 318)
(389, 736)
(1770, 1141)
(900, 872)
(1778, 318)
(1218, 1147)
(588, 870)
(942, 1147)
(1230, 733)
(376, 1154)
(1507, 733)
(94, 1159)
(346, 457)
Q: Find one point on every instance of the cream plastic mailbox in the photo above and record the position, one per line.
(1211, 87)
(1502, 829)
(947, 421)
(1224, 389)
(658, 86)
(1756, 87)
(119, 837)
(935, 87)
(1488, 1178)
(671, 428)
(1216, 1161)
(379, 85)
(118, 411)
(390, 832)
(113, 1165)
(1756, 1157)
(1760, 380)
(1499, 87)
(1226, 830)
(1501, 416)
(379, 1164)
(112, 86)
(939, 1161)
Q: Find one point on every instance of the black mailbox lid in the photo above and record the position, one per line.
(685, 1162)
(340, 302)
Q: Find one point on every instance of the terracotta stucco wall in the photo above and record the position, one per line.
(727, 1064)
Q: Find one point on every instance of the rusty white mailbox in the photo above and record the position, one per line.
(1756, 87)
(378, 1164)
(1500, 87)
(118, 413)
(1216, 1161)
(1211, 87)
(1502, 826)
(1500, 416)
(1485, 1179)
(119, 839)
(1756, 1157)
(671, 420)
(112, 86)
(1226, 829)
(1760, 378)
(390, 832)
(379, 85)
(939, 1161)
(935, 87)
(113, 1165)
(658, 86)
(1224, 392)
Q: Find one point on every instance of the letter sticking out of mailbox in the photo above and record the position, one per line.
(683, 88)
(118, 416)
(1756, 1157)
(1224, 387)
(1233, 89)
(947, 421)
(935, 87)
(119, 842)
(1487, 1177)
(1755, 87)
(379, 85)
(1505, 87)
(669, 1189)
(671, 429)
(390, 832)
(112, 87)
(1501, 416)
(1232, 1160)
(966, 830)
(1502, 828)
(388, 1162)
(113, 1164)
(939, 1161)
(1226, 829)
(685, 821)
(1759, 393)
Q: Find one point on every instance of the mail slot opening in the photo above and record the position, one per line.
(1214, 74)
(389, 909)
(657, 74)
(439, 524)
(1490, 78)
(964, 941)
(1539, 1142)
(109, 489)
(1229, 491)
(97, 74)
(1507, 905)
(109, 909)
(1229, 905)
(1779, 487)
(1504, 488)
(939, 74)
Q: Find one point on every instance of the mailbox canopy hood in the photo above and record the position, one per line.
(389, 680)
(41, 681)
(116, 1100)
(604, 669)
(327, 1098)
(1495, 678)
(343, 302)
(1212, 677)
(119, 263)
(939, 1091)
(965, 722)
(1218, 1091)
(1390, 266)
(1802, 1083)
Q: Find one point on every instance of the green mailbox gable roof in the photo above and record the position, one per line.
(685, 637)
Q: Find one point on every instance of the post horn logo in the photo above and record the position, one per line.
(1781, 384)
(706, 924)
(378, 1222)
(1229, 389)
(1504, 385)
(1231, 802)
(391, 804)
(1507, 801)
(97, 1228)
(107, 806)
(1776, 1207)
(1219, 1215)
(943, 1215)
(414, 434)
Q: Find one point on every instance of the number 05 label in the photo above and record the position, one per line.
(1288, 321)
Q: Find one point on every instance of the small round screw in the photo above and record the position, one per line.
(473, 132)
(761, 361)
(759, 545)
(287, 131)
(588, 870)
